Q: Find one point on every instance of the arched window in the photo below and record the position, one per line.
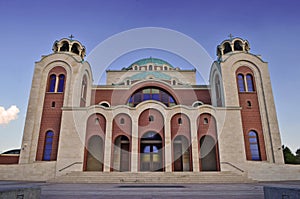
(241, 83)
(249, 83)
(75, 48)
(254, 147)
(205, 121)
(52, 83)
(150, 67)
(165, 68)
(135, 68)
(238, 46)
(48, 146)
(61, 83)
(65, 47)
(151, 118)
(227, 48)
(180, 120)
(156, 94)
(122, 121)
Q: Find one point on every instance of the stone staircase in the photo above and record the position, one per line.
(153, 177)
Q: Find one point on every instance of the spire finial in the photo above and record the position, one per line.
(71, 37)
(230, 36)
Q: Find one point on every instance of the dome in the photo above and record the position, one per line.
(233, 45)
(146, 61)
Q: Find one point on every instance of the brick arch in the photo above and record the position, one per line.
(96, 126)
(122, 129)
(57, 70)
(207, 128)
(180, 129)
(145, 125)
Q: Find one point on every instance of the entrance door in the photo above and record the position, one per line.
(124, 156)
(151, 158)
(178, 166)
(94, 161)
(208, 157)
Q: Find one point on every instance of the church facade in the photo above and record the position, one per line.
(151, 117)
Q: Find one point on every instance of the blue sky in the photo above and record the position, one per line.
(29, 28)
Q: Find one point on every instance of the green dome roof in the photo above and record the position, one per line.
(144, 75)
(145, 61)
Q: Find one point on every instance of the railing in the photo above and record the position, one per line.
(70, 166)
(230, 164)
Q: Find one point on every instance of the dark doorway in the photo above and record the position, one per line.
(94, 161)
(121, 160)
(208, 154)
(181, 154)
(151, 152)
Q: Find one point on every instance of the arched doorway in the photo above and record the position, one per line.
(181, 154)
(208, 154)
(121, 161)
(94, 161)
(151, 152)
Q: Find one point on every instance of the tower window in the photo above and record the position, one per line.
(241, 83)
(227, 48)
(97, 121)
(53, 104)
(254, 146)
(238, 46)
(48, 146)
(249, 104)
(52, 83)
(61, 83)
(249, 83)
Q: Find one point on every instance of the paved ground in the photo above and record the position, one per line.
(142, 191)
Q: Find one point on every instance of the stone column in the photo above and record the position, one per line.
(194, 142)
(134, 145)
(108, 145)
(168, 145)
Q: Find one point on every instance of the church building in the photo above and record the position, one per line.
(151, 119)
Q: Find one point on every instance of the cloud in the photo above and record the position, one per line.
(8, 115)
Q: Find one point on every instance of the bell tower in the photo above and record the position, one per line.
(57, 83)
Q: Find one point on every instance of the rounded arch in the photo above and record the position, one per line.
(183, 128)
(122, 125)
(96, 125)
(151, 93)
(227, 48)
(157, 125)
(121, 153)
(148, 84)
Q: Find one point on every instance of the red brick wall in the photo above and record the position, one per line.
(51, 117)
(180, 129)
(9, 159)
(121, 129)
(251, 118)
(181, 96)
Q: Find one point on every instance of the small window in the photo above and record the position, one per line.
(122, 121)
(249, 104)
(150, 67)
(48, 146)
(227, 48)
(53, 104)
(205, 121)
(97, 121)
(180, 120)
(135, 68)
(238, 46)
(249, 83)
(241, 83)
(174, 82)
(165, 68)
(52, 83)
(61, 83)
(151, 118)
(128, 82)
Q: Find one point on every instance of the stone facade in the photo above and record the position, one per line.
(151, 117)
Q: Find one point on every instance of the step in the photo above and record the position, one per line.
(153, 177)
